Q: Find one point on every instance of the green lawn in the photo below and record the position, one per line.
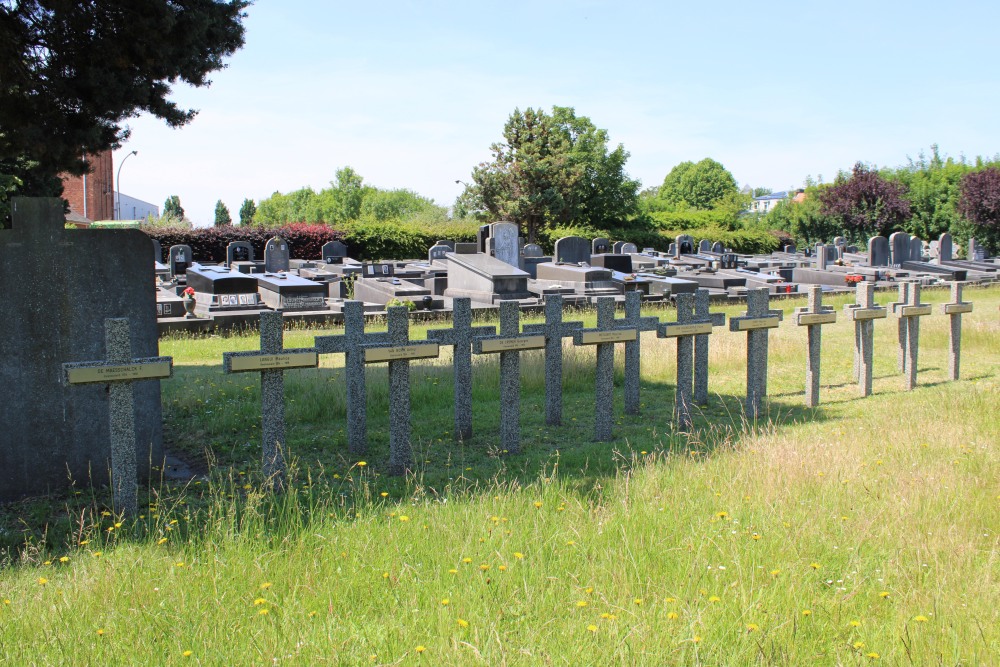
(864, 531)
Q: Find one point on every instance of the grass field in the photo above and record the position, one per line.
(864, 531)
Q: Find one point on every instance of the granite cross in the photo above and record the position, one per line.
(509, 344)
(271, 361)
(459, 337)
(398, 349)
(605, 335)
(119, 371)
(955, 309)
(634, 320)
(755, 322)
(687, 326)
(701, 312)
(814, 316)
(554, 331)
(901, 329)
(910, 312)
(350, 344)
(864, 313)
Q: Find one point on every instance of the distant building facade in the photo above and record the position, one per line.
(130, 208)
(766, 203)
(91, 196)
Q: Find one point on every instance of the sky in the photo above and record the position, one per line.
(412, 94)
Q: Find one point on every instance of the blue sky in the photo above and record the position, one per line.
(412, 94)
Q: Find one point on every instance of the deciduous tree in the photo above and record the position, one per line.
(866, 203)
(979, 202)
(701, 185)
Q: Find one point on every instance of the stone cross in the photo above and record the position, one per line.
(509, 344)
(755, 322)
(701, 312)
(687, 326)
(119, 372)
(955, 309)
(910, 310)
(398, 350)
(554, 331)
(634, 320)
(459, 337)
(605, 335)
(864, 313)
(814, 316)
(271, 361)
(350, 344)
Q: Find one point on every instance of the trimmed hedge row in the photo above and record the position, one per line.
(208, 244)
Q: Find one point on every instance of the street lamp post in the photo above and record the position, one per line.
(118, 184)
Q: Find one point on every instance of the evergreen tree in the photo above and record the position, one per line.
(247, 211)
(172, 208)
(222, 217)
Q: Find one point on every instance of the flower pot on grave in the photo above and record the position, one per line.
(189, 305)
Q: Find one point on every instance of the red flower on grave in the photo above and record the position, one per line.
(189, 293)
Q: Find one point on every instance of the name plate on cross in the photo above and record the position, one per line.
(671, 330)
(266, 362)
(807, 319)
(508, 344)
(914, 311)
(116, 373)
(957, 308)
(757, 323)
(614, 336)
(868, 313)
(402, 352)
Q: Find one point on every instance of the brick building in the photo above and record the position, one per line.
(92, 195)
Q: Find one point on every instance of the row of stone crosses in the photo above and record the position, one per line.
(692, 329)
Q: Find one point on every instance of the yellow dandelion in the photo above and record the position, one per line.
(259, 601)
(484, 566)
(97, 554)
(588, 590)
(858, 645)
(42, 581)
(581, 603)
(538, 504)
(100, 632)
(264, 586)
(362, 464)
(884, 594)
(807, 612)
(263, 612)
(696, 639)
(451, 571)
(670, 600)
(715, 598)
(162, 540)
(672, 616)
(179, 563)
(462, 623)
(6, 601)
(421, 649)
(873, 655)
(48, 562)
(815, 566)
(444, 602)
(311, 614)
(384, 494)
(64, 559)
(920, 619)
(502, 568)
(752, 627)
(592, 627)
(404, 518)
(855, 624)
(187, 654)
(84, 542)
(722, 515)
(466, 560)
(638, 601)
(775, 573)
(570, 543)
(518, 555)
(756, 536)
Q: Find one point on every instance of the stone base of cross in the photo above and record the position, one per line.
(554, 331)
(814, 316)
(910, 310)
(955, 310)
(756, 322)
(863, 313)
(686, 329)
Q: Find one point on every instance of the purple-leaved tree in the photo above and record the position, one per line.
(979, 203)
(866, 203)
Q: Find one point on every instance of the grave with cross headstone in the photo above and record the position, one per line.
(398, 350)
(814, 316)
(59, 286)
(271, 361)
(119, 371)
(509, 343)
(863, 313)
(756, 322)
(554, 329)
(910, 312)
(702, 312)
(604, 336)
(351, 344)
(634, 320)
(685, 329)
(955, 309)
(902, 330)
(460, 337)
(276, 255)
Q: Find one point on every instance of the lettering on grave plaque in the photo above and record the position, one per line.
(806, 319)
(510, 344)
(401, 352)
(677, 330)
(99, 374)
(914, 311)
(759, 323)
(869, 313)
(266, 362)
(957, 308)
(615, 336)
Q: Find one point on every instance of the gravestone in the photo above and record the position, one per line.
(532, 250)
(821, 257)
(955, 310)
(672, 249)
(238, 251)
(447, 242)
(466, 248)
(351, 344)
(181, 257)
(605, 336)
(814, 316)
(977, 253)
(702, 312)
(878, 251)
(790, 248)
(616, 247)
(271, 361)
(398, 350)
(629, 249)
(157, 251)
(554, 330)
(276, 255)
(118, 373)
(916, 249)
(832, 252)
(505, 243)
(459, 337)
(572, 250)
(910, 313)
(718, 248)
(685, 245)
(59, 286)
(633, 320)
(687, 326)
(864, 312)
(482, 238)
(756, 322)
(899, 247)
(510, 343)
(945, 248)
(438, 252)
(705, 246)
(333, 252)
(600, 246)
